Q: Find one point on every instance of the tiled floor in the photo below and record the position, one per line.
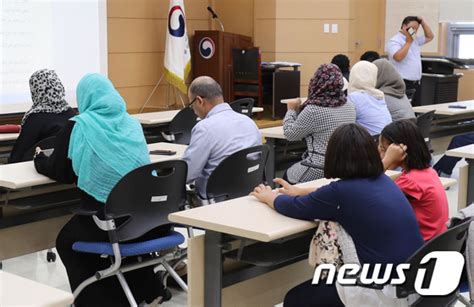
(35, 266)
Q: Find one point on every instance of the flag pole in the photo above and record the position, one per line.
(179, 95)
(177, 57)
(151, 95)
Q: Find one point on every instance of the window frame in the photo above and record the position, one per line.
(456, 29)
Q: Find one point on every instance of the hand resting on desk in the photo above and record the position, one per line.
(266, 195)
(291, 190)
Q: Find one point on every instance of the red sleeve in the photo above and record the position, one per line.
(409, 187)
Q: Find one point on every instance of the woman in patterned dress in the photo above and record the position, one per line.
(315, 120)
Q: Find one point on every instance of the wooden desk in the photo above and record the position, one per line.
(33, 230)
(23, 174)
(180, 149)
(156, 118)
(19, 291)
(444, 109)
(466, 152)
(285, 101)
(273, 132)
(449, 121)
(245, 218)
(165, 117)
(233, 217)
(4, 137)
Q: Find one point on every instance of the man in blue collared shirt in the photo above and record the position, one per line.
(404, 52)
(220, 133)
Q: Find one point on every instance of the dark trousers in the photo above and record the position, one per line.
(416, 100)
(446, 164)
(143, 283)
(308, 295)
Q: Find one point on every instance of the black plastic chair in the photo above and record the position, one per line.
(424, 122)
(243, 106)
(144, 198)
(238, 174)
(47, 143)
(180, 127)
(452, 239)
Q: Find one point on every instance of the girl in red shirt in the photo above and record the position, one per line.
(402, 145)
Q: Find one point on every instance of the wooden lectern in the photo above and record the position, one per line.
(212, 56)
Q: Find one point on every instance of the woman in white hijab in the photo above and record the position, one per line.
(371, 109)
(391, 84)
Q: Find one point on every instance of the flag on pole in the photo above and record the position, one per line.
(177, 60)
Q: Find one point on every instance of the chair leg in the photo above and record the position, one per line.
(112, 270)
(175, 275)
(463, 300)
(126, 289)
(84, 284)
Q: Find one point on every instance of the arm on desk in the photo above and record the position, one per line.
(320, 204)
(58, 166)
(291, 190)
(29, 135)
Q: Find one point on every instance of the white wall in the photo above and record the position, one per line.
(456, 11)
(396, 10)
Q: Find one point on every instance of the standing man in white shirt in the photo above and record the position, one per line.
(404, 52)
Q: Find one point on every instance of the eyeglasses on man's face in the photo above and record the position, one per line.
(190, 105)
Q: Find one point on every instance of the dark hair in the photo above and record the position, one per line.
(205, 87)
(352, 153)
(406, 132)
(341, 61)
(409, 19)
(370, 56)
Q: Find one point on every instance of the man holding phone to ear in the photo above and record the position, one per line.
(404, 52)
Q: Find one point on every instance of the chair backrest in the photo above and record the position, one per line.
(424, 122)
(182, 124)
(410, 94)
(145, 196)
(47, 143)
(238, 174)
(246, 64)
(243, 105)
(452, 239)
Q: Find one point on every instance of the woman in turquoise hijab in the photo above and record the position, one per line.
(106, 143)
(95, 150)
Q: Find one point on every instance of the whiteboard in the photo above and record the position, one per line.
(69, 36)
(396, 10)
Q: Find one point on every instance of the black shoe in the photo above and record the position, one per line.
(166, 296)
